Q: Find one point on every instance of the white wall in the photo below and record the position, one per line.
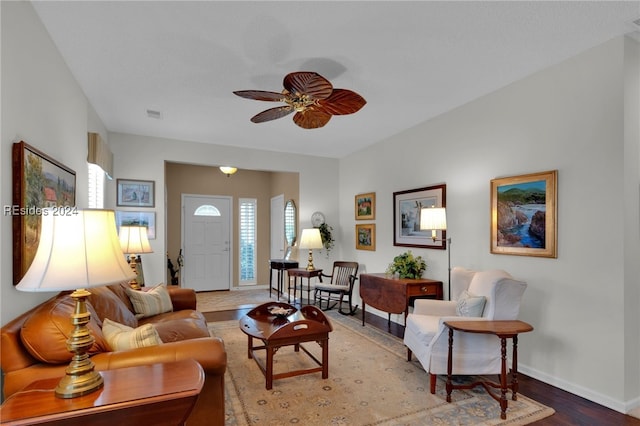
(139, 157)
(43, 105)
(570, 118)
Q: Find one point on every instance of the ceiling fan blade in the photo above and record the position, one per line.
(311, 118)
(308, 83)
(342, 101)
(261, 95)
(272, 114)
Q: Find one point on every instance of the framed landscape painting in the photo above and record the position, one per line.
(127, 218)
(406, 217)
(365, 206)
(524, 215)
(135, 193)
(38, 181)
(366, 237)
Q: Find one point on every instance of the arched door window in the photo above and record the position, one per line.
(207, 210)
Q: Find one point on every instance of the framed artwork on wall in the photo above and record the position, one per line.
(365, 206)
(406, 216)
(38, 181)
(524, 215)
(135, 193)
(127, 218)
(366, 236)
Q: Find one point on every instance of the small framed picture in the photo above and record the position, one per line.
(366, 236)
(136, 193)
(524, 215)
(148, 219)
(365, 206)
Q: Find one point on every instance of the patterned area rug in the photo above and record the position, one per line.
(370, 383)
(214, 301)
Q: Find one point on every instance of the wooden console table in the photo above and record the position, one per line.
(279, 265)
(393, 295)
(504, 330)
(154, 394)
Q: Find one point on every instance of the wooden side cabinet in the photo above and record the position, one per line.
(393, 295)
(156, 394)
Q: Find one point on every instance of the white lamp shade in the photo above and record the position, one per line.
(311, 239)
(434, 218)
(77, 251)
(134, 240)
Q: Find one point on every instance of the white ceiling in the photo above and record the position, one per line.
(411, 61)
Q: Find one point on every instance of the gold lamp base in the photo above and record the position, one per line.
(80, 375)
(310, 266)
(133, 263)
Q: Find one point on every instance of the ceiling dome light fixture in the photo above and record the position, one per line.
(228, 170)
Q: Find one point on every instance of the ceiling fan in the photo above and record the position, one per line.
(310, 95)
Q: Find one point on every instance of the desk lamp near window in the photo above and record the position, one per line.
(435, 219)
(134, 241)
(76, 252)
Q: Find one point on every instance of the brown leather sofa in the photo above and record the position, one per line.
(33, 346)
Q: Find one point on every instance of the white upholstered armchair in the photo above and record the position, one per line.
(428, 338)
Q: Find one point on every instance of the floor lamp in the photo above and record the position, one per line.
(435, 219)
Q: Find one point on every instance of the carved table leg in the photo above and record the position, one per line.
(269, 368)
(503, 379)
(514, 369)
(449, 366)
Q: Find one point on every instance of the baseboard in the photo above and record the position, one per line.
(591, 395)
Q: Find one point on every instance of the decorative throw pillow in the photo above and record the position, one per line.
(121, 337)
(152, 302)
(470, 305)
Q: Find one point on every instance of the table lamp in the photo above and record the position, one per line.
(310, 239)
(133, 241)
(435, 218)
(76, 252)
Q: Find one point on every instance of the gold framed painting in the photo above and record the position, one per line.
(366, 236)
(524, 215)
(39, 181)
(365, 206)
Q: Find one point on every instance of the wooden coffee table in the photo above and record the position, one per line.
(307, 324)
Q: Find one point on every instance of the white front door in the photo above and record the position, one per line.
(206, 242)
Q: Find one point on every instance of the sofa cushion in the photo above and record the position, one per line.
(46, 331)
(179, 325)
(151, 302)
(470, 305)
(121, 337)
(107, 304)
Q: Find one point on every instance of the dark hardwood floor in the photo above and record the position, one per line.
(570, 409)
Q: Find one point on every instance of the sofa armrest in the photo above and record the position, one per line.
(209, 352)
(436, 308)
(182, 298)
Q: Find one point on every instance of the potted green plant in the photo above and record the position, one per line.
(406, 265)
(327, 237)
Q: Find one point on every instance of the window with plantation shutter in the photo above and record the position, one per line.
(248, 207)
(96, 186)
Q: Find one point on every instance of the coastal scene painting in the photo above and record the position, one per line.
(523, 215)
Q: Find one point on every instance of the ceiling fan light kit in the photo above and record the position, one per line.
(308, 94)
